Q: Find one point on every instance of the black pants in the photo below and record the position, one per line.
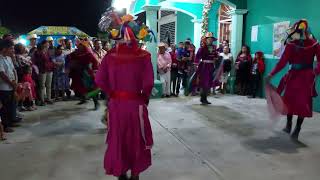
(182, 78)
(8, 110)
(174, 81)
(254, 84)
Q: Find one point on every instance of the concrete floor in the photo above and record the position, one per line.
(231, 139)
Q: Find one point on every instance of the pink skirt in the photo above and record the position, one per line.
(129, 138)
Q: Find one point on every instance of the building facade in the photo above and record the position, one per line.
(250, 22)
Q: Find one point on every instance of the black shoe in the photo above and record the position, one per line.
(82, 102)
(123, 177)
(17, 120)
(96, 106)
(42, 104)
(49, 102)
(167, 96)
(8, 130)
(286, 130)
(14, 125)
(295, 134)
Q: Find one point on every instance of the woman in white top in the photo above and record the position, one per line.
(227, 61)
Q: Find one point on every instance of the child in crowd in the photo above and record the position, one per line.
(227, 66)
(60, 80)
(257, 70)
(25, 92)
(181, 65)
(29, 89)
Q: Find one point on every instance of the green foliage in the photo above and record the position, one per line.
(4, 30)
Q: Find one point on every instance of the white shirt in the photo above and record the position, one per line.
(225, 56)
(7, 67)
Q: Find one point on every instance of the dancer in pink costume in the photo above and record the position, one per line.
(298, 85)
(126, 76)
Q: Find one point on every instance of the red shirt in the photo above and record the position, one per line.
(174, 59)
(43, 62)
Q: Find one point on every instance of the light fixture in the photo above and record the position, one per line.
(119, 5)
(23, 41)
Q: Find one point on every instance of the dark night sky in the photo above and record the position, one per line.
(22, 16)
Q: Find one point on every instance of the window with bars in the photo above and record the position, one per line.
(166, 13)
(225, 23)
(167, 32)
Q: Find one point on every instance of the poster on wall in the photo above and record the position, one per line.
(279, 35)
(254, 33)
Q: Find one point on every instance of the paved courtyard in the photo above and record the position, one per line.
(233, 139)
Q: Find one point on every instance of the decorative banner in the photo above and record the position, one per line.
(58, 30)
(254, 33)
(279, 35)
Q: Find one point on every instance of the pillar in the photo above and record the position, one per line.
(197, 32)
(151, 22)
(237, 30)
(236, 40)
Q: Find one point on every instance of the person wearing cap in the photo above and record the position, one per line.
(33, 41)
(207, 55)
(98, 52)
(32, 47)
(61, 41)
(51, 50)
(298, 85)
(164, 68)
(44, 64)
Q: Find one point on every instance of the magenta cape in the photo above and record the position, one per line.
(126, 75)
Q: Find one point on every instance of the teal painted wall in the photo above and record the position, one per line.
(138, 6)
(192, 8)
(213, 18)
(266, 13)
(185, 28)
(241, 4)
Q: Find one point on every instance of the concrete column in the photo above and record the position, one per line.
(197, 32)
(151, 22)
(236, 40)
(237, 30)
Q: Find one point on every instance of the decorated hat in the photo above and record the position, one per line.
(210, 35)
(49, 38)
(302, 28)
(125, 28)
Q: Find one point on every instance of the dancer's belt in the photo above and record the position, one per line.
(300, 66)
(207, 61)
(126, 95)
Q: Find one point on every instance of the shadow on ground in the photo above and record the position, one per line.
(281, 142)
(226, 119)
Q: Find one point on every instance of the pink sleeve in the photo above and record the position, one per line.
(282, 62)
(148, 79)
(317, 70)
(101, 78)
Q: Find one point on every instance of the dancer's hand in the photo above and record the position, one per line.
(268, 78)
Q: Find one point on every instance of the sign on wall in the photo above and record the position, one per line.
(254, 33)
(279, 35)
